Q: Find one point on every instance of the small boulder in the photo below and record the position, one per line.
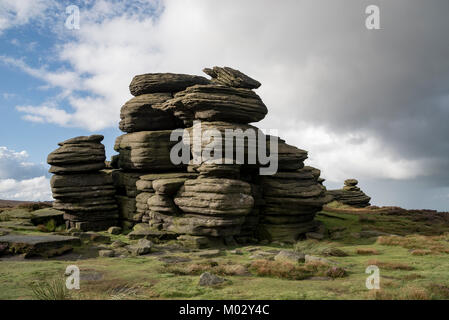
(290, 256)
(95, 237)
(194, 242)
(118, 244)
(114, 230)
(314, 235)
(106, 253)
(209, 279)
(121, 252)
(333, 252)
(143, 246)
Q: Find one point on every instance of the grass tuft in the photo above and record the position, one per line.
(54, 289)
(390, 265)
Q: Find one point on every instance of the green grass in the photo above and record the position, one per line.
(404, 275)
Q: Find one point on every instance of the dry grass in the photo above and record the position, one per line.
(433, 244)
(406, 293)
(285, 270)
(226, 269)
(413, 293)
(366, 251)
(124, 292)
(439, 291)
(380, 295)
(412, 276)
(420, 252)
(390, 265)
(336, 272)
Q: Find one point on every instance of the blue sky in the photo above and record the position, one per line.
(373, 105)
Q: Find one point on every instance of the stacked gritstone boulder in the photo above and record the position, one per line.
(81, 189)
(351, 195)
(224, 199)
(217, 202)
(145, 148)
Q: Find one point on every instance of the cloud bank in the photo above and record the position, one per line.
(366, 104)
(20, 179)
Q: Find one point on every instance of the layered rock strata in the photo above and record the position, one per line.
(80, 188)
(220, 196)
(351, 195)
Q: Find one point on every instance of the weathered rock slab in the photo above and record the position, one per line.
(47, 245)
(163, 82)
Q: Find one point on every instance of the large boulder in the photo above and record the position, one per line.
(32, 245)
(80, 154)
(231, 78)
(146, 150)
(163, 82)
(197, 224)
(140, 114)
(210, 196)
(216, 103)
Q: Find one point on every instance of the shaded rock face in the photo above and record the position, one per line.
(85, 194)
(351, 195)
(222, 200)
(291, 202)
(140, 114)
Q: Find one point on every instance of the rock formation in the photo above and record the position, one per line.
(223, 196)
(351, 195)
(81, 190)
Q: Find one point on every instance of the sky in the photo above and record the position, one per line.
(366, 104)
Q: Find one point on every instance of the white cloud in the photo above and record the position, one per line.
(35, 189)
(14, 165)
(21, 179)
(45, 113)
(66, 80)
(15, 13)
